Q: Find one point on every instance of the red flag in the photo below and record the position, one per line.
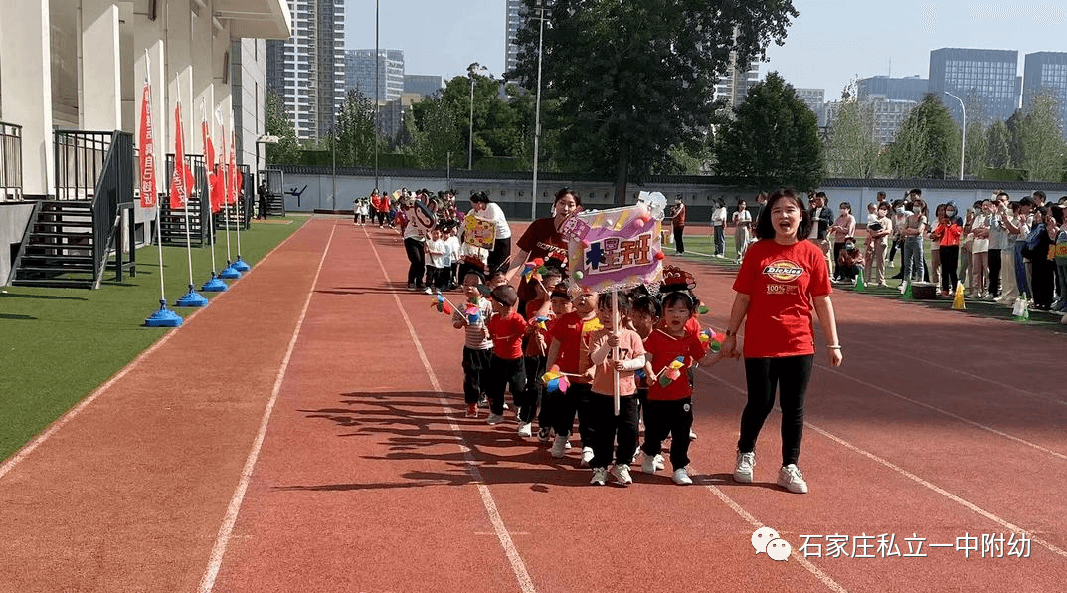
(217, 183)
(146, 154)
(209, 147)
(182, 179)
(231, 193)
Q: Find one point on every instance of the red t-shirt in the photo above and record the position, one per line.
(780, 281)
(507, 331)
(541, 240)
(664, 349)
(574, 346)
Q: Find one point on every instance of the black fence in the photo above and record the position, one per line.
(112, 193)
(10, 161)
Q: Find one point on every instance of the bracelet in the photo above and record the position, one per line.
(834, 346)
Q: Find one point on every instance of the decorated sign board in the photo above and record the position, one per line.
(478, 232)
(614, 248)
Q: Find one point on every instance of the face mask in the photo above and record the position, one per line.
(900, 210)
(950, 213)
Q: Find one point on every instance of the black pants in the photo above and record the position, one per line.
(567, 405)
(674, 417)
(679, 242)
(994, 272)
(499, 255)
(475, 369)
(788, 376)
(950, 260)
(720, 240)
(534, 392)
(262, 208)
(893, 247)
(610, 428)
(417, 256)
(1043, 281)
(504, 373)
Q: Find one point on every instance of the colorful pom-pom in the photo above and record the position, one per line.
(579, 275)
(702, 309)
(659, 255)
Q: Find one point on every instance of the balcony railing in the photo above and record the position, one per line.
(10, 162)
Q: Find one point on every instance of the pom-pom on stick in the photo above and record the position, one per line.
(702, 309)
(712, 338)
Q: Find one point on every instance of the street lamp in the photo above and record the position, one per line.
(537, 110)
(472, 70)
(963, 148)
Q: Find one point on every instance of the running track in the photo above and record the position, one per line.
(305, 433)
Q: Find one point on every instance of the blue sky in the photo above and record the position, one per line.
(831, 41)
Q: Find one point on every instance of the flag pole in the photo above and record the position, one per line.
(191, 298)
(232, 271)
(240, 264)
(164, 317)
(221, 170)
(214, 284)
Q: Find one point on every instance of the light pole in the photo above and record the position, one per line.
(377, 60)
(472, 70)
(537, 109)
(963, 148)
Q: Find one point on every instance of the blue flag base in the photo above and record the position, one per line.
(230, 273)
(164, 317)
(192, 299)
(240, 265)
(214, 285)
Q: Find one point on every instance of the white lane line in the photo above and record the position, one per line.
(947, 413)
(1012, 388)
(966, 503)
(796, 555)
(222, 540)
(502, 534)
(60, 422)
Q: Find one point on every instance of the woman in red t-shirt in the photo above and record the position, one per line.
(542, 239)
(781, 279)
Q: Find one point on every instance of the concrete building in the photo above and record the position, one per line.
(81, 64)
(1046, 72)
(516, 19)
(986, 77)
(740, 77)
(814, 99)
(425, 86)
(911, 88)
(360, 69)
(307, 70)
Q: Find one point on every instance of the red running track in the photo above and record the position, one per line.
(370, 479)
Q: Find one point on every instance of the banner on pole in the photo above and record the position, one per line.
(478, 232)
(146, 150)
(182, 179)
(614, 248)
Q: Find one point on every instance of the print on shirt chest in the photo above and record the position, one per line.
(782, 275)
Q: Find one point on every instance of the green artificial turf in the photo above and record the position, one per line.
(57, 345)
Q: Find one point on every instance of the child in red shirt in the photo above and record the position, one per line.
(538, 315)
(669, 408)
(569, 349)
(506, 369)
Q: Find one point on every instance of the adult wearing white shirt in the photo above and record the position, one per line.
(718, 223)
(485, 209)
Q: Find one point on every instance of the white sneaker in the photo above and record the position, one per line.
(428, 290)
(526, 430)
(681, 477)
(494, 419)
(652, 463)
(559, 447)
(692, 435)
(743, 469)
(622, 474)
(600, 476)
(542, 435)
(587, 456)
(789, 478)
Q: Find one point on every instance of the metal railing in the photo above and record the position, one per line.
(10, 161)
(112, 191)
(79, 157)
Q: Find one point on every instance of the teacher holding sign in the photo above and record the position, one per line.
(486, 210)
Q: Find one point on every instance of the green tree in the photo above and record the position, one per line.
(1040, 135)
(354, 132)
(998, 141)
(928, 142)
(630, 80)
(773, 139)
(287, 150)
(435, 134)
(852, 150)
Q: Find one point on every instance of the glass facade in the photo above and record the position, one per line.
(1046, 72)
(360, 71)
(988, 77)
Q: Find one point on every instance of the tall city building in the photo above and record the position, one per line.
(308, 70)
(362, 66)
(1046, 72)
(419, 84)
(911, 88)
(986, 77)
(740, 77)
(814, 99)
(516, 19)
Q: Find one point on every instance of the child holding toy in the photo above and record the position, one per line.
(506, 368)
(477, 347)
(569, 350)
(538, 315)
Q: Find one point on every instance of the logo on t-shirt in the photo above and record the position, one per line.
(783, 271)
